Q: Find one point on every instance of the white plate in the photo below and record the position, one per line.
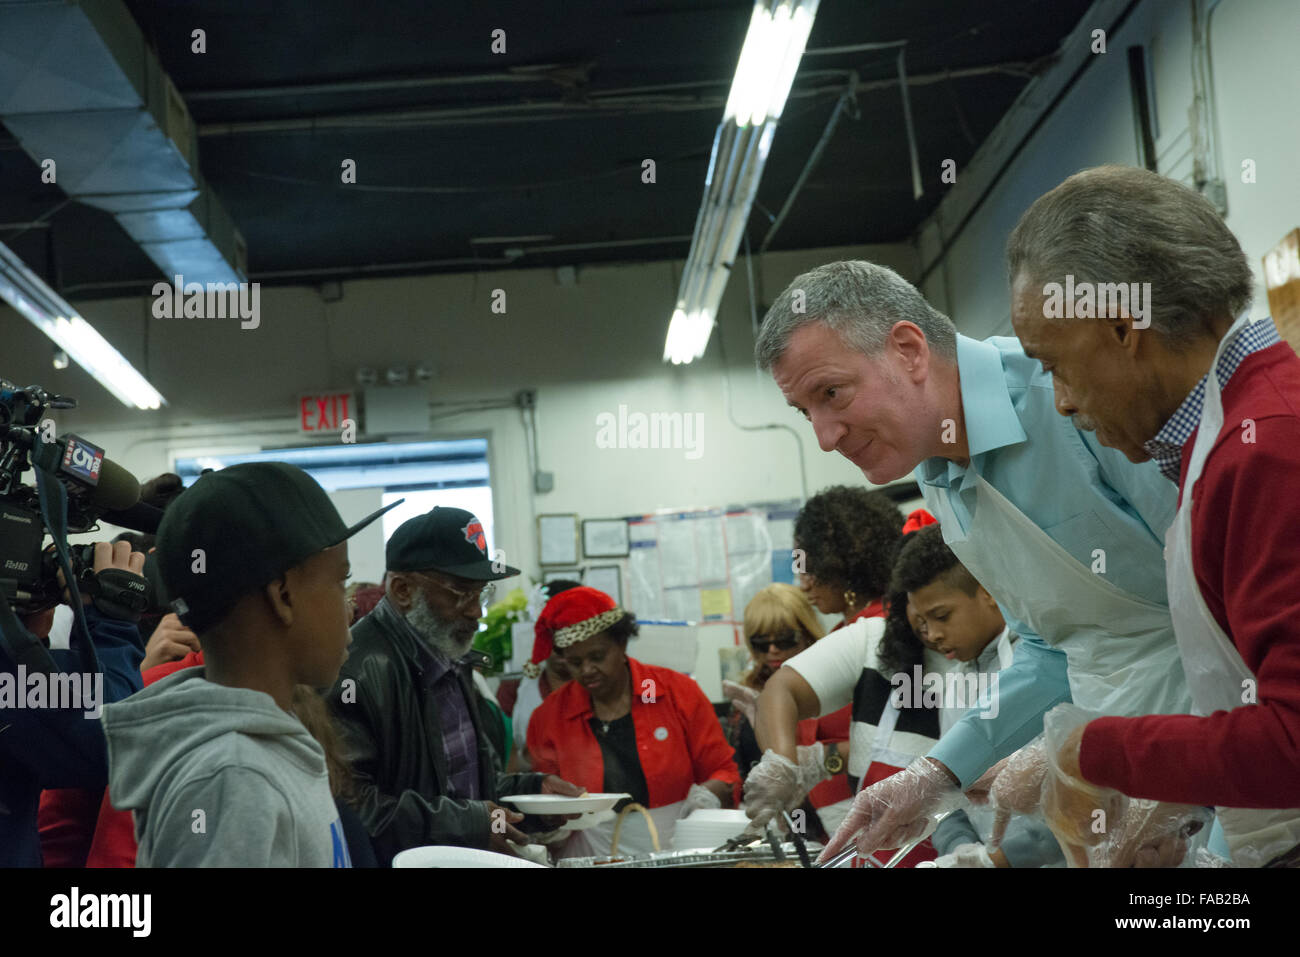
(444, 856)
(559, 804)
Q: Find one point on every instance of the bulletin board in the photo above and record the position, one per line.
(704, 565)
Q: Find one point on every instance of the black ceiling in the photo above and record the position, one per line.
(454, 143)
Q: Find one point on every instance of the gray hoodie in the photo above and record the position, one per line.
(220, 777)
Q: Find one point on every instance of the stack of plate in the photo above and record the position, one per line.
(708, 829)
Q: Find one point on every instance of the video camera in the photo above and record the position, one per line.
(75, 486)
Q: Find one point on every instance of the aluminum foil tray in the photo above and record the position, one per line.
(761, 854)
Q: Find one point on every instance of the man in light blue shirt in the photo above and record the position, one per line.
(1064, 532)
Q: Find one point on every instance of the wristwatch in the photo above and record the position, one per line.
(834, 762)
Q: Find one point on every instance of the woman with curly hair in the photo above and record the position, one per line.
(845, 538)
(848, 539)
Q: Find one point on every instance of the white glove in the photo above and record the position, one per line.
(812, 765)
(966, 855)
(773, 787)
(742, 698)
(898, 810)
(698, 798)
(1017, 788)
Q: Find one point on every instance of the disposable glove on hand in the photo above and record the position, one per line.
(1080, 814)
(1017, 787)
(773, 787)
(966, 855)
(742, 698)
(698, 798)
(898, 810)
(1150, 834)
(812, 765)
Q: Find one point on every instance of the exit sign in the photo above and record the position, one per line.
(325, 412)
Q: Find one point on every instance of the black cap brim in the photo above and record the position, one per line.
(479, 571)
(352, 530)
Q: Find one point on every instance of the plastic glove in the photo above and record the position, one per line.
(966, 855)
(773, 787)
(1204, 857)
(1018, 787)
(812, 765)
(1150, 834)
(1080, 814)
(698, 798)
(898, 810)
(742, 698)
(981, 792)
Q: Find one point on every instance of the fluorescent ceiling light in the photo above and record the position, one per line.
(48, 312)
(774, 45)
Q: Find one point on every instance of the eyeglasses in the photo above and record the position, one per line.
(464, 599)
(784, 643)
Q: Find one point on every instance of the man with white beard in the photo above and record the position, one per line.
(406, 709)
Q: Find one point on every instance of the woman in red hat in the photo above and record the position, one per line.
(624, 726)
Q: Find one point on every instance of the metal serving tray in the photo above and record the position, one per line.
(762, 854)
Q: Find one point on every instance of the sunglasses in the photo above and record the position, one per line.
(784, 643)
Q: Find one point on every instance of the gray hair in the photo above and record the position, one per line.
(1121, 224)
(860, 301)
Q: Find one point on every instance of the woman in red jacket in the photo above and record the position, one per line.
(624, 726)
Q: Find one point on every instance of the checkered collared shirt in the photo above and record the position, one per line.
(1167, 446)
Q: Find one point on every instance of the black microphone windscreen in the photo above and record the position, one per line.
(138, 517)
(117, 489)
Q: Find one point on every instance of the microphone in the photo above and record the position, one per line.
(138, 517)
(117, 488)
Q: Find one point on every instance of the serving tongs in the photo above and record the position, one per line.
(851, 851)
(747, 838)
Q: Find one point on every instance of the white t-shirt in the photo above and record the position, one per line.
(833, 665)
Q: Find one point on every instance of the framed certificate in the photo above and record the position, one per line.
(557, 539)
(606, 578)
(561, 574)
(604, 537)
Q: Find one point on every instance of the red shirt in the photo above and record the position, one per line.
(678, 736)
(71, 819)
(114, 843)
(1246, 556)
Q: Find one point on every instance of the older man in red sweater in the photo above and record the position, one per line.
(1133, 293)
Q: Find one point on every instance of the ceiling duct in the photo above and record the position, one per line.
(79, 85)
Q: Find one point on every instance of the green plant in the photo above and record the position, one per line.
(494, 638)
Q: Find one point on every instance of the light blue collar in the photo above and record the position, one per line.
(990, 418)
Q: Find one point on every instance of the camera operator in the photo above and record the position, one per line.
(62, 747)
(68, 819)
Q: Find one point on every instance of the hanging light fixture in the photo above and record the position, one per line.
(73, 335)
(774, 45)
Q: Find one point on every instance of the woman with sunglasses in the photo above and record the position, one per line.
(779, 623)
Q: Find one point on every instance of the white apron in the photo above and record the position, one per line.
(1122, 656)
(1215, 670)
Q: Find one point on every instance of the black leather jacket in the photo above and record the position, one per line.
(391, 737)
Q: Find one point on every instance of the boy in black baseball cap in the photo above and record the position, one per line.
(212, 761)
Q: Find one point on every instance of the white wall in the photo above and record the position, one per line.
(1256, 87)
(585, 349)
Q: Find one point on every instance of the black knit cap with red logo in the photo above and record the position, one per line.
(449, 540)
